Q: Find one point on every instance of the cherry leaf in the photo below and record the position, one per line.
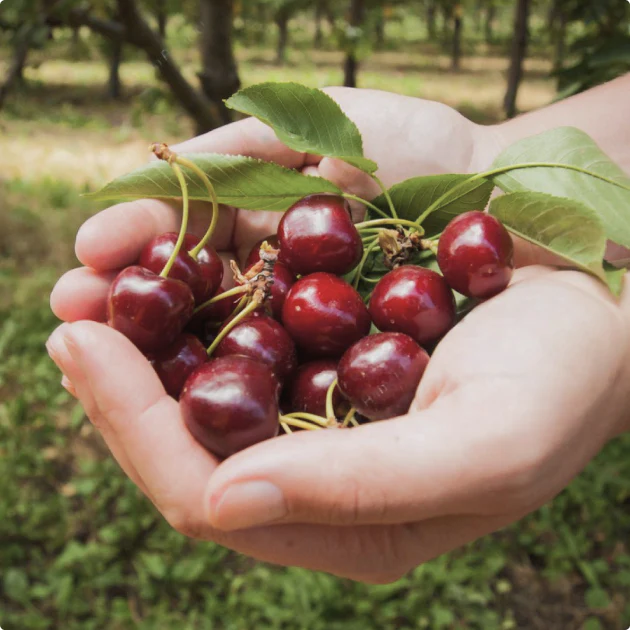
(239, 181)
(305, 119)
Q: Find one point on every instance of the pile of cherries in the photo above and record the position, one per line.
(294, 345)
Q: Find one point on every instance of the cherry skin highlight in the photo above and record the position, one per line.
(325, 315)
(308, 389)
(476, 255)
(149, 310)
(380, 374)
(203, 275)
(231, 403)
(177, 362)
(415, 301)
(317, 234)
(263, 339)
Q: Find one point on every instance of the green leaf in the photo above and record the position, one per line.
(155, 564)
(574, 148)
(614, 278)
(455, 194)
(564, 227)
(239, 181)
(596, 598)
(592, 623)
(15, 585)
(304, 119)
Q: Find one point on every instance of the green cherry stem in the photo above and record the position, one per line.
(285, 427)
(228, 327)
(367, 204)
(221, 296)
(182, 231)
(310, 417)
(430, 245)
(387, 196)
(350, 419)
(330, 408)
(382, 222)
(299, 424)
(213, 197)
(368, 250)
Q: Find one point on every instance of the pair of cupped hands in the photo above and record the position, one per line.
(517, 399)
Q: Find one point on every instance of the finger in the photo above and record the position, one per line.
(81, 294)
(115, 237)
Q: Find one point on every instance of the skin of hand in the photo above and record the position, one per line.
(517, 399)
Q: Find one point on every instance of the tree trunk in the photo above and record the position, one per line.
(16, 69)
(357, 16)
(162, 17)
(491, 12)
(114, 86)
(431, 11)
(282, 22)
(457, 38)
(319, 18)
(519, 49)
(137, 32)
(379, 29)
(219, 78)
(561, 39)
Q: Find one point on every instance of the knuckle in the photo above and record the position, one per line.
(184, 523)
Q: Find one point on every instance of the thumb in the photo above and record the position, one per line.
(435, 462)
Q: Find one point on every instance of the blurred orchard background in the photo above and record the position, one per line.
(84, 87)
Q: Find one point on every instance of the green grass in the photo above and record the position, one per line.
(80, 548)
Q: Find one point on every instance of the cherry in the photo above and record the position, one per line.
(254, 255)
(263, 339)
(283, 280)
(317, 234)
(325, 315)
(231, 403)
(308, 389)
(202, 275)
(380, 374)
(414, 301)
(476, 255)
(148, 309)
(177, 362)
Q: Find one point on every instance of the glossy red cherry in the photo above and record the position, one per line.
(308, 389)
(476, 255)
(263, 339)
(283, 280)
(254, 255)
(202, 275)
(151, 311)
(177, 362)
(380, 374)
(231, 403)
(414, 301)
(325, 315)
(317, 234)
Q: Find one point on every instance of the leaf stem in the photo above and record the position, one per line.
(228, 327)
(184, 226)
(365, 203)
(390, 203)
(213, 197)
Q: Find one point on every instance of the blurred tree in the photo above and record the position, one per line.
(517, 57)
(458, 18)
(356, 17)
(431, 10)
(490, 16)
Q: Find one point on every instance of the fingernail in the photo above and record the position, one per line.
(247, 504)
(66, 383)
(56, 347)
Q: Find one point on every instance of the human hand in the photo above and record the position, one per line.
(516, 401)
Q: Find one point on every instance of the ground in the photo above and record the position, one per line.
(80, 548)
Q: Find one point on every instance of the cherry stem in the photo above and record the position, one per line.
(330, 408)
(379, 222)
(359, 270)
(302, 415)
(213, 197)
(430, 245)
(299, 424)
(367, 204)
(228, 327)
(390, 203)
(350, 418)
(221, 296)
(182, 231)
(286, 427)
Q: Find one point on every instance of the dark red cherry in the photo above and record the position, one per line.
(177, 362)
(317, 234)
(254, 255)
(148, 309)
(283, 280)
(325, 315)
(476, 255)
(263, 339)
(202, 275)
(308, 389)
(414, 301)
(231, 403)
(380, 374)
